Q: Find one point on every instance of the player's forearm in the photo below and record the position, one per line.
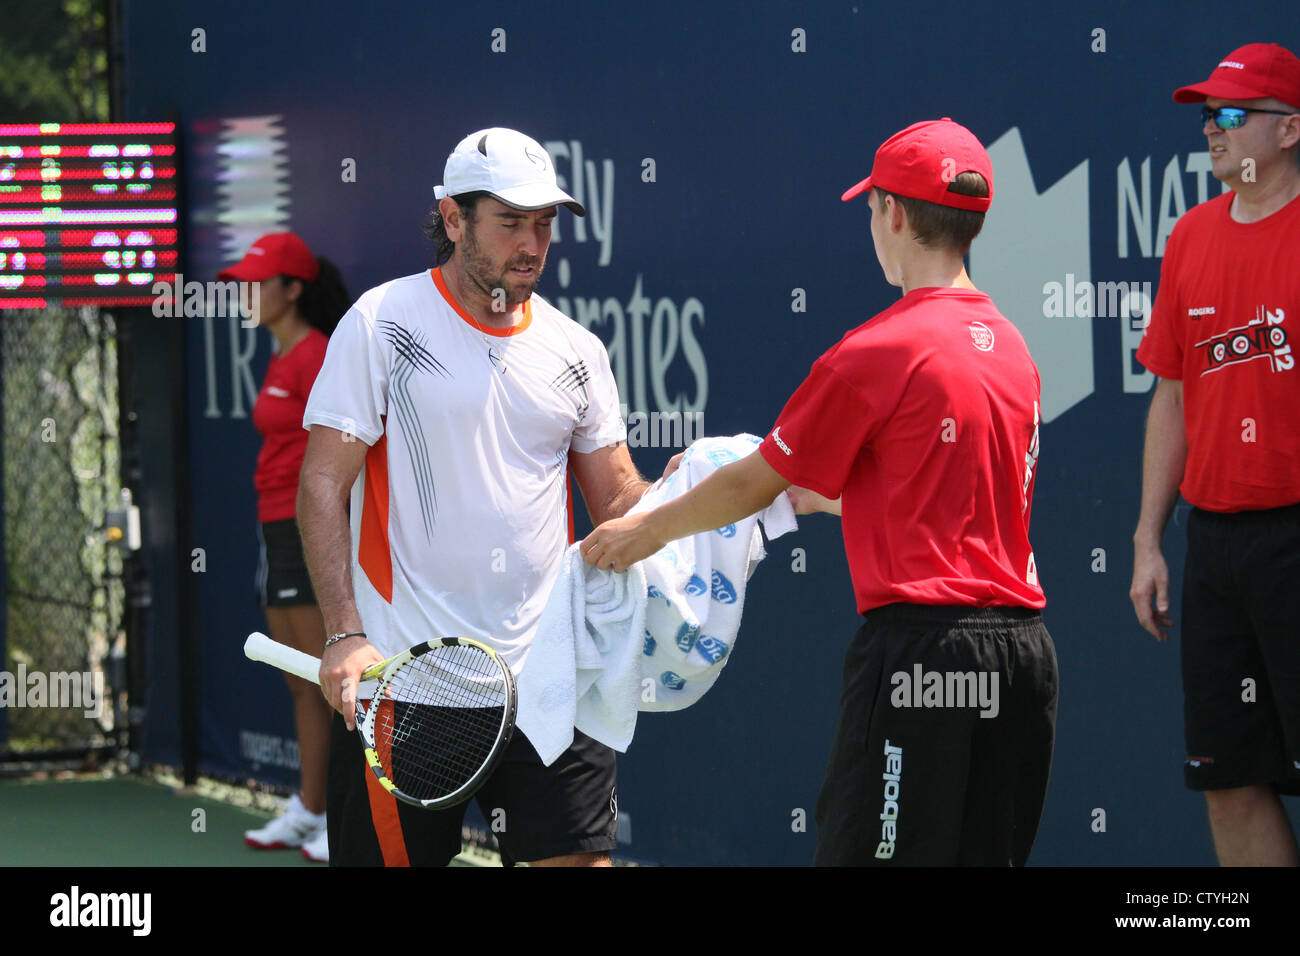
(807, 501)
(731, 493)
(1164, 458)
(327, 546)
(621, 502)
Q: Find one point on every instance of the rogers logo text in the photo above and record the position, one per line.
(776, 437)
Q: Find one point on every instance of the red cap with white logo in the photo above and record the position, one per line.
(1252, 72)
(923, 160)
(275, 254)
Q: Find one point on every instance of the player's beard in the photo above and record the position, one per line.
(484, 273)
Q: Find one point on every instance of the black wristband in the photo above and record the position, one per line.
(335, 638)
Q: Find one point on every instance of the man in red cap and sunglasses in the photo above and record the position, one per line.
(920, 427)
(1224, 427)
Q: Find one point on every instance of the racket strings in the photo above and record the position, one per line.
(439, 720)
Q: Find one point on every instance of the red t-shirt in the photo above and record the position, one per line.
(925, 419)
(1228, 302)
(277, 413)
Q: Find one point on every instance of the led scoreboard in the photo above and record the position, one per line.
(88, 213)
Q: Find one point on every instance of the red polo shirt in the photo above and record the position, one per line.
(277, 413)
(925, 420)
(1224, 323)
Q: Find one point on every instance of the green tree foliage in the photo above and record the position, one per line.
(53, 61)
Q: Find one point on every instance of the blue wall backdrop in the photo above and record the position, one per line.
(755, 118)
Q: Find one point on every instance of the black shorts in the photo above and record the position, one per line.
(918, 776)
(535, 812)
(1241, 649)
(282, 579)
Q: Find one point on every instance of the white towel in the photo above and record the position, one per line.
(653, 638)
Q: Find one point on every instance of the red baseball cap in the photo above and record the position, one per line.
(1252, 72)
(275, 254)
(922, 160)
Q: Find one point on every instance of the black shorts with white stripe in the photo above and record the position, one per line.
(282, 579)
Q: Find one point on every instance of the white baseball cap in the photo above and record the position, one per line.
(507, 165)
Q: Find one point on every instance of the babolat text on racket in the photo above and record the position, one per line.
(437, 720)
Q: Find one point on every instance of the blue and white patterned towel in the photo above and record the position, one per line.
(653, 638)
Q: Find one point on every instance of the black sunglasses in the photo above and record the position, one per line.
(1233, 117)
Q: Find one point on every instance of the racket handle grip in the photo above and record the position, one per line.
(259, 647)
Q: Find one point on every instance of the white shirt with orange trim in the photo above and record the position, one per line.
(459, 516)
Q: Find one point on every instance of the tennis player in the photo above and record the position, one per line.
(300, 299)
(1224, 427)
(451, 405)
(921, 428)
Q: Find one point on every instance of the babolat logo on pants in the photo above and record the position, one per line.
(892, 776)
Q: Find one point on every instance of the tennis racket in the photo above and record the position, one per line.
(440, 715)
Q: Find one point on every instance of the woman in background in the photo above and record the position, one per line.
(300, 300)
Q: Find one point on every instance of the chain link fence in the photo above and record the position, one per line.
(62, 681)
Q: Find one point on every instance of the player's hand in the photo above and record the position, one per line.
(673, 464)
(806, 501)
(620, 543)
(1151, 579)
(340, 673)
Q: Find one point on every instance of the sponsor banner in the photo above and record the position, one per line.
(717, 263)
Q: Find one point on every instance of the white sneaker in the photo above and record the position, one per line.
(317, 849)
(291, 829)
